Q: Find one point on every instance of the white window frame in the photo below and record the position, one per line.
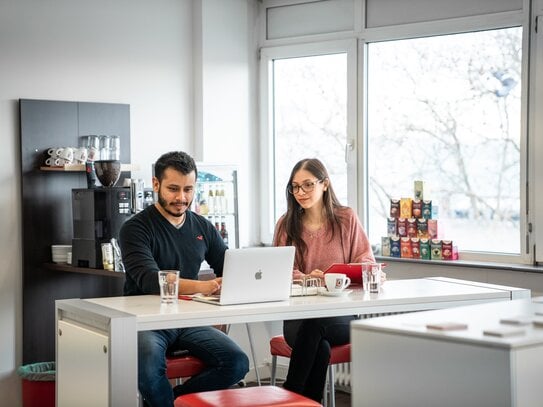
(267, 57)
(531, 205)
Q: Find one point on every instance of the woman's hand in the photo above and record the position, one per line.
(316, 274)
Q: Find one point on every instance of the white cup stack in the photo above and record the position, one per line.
(59, 253)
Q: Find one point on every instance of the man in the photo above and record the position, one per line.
(168, 236)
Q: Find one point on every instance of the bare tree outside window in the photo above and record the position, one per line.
(310, 119)
(446, 110)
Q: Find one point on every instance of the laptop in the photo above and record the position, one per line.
(256, 274)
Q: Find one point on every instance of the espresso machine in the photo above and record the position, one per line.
(98, 215)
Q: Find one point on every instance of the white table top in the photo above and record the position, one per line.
(478, 319)
(395, 296)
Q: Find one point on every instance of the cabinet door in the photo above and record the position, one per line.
(84, 374)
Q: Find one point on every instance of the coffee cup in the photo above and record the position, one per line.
(66, 153)
(80, 155)
(52, 152)
(54, 162)
(168, 280)
(336, 282)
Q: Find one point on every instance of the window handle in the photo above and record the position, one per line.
(349, 147)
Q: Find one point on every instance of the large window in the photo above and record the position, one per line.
(447, 110)
(310, 118)
(309, 112)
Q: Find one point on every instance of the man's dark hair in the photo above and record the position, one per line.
(178, 160)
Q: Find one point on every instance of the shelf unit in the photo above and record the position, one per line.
(64, 267)
(81, 168)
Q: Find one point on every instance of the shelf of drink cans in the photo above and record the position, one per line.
(412, 230)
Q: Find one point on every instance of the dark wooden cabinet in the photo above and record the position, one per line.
(47, 211)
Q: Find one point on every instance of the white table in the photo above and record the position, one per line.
(398, 361)
(96, 348)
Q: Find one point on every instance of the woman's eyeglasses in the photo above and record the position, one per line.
(307, 186)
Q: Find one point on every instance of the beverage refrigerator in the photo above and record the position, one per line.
(216, 198)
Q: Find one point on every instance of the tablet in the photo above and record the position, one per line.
(353, 271)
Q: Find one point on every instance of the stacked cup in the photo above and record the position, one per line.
(60, 156)
(59, 253)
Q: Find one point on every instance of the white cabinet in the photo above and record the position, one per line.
(398, 361)
(82, 365)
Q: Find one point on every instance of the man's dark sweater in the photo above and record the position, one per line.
(150, 243)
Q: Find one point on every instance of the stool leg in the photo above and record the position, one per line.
(250, 335)
(332, 386)
(273, 369)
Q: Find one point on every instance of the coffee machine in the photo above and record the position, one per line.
(98, 215)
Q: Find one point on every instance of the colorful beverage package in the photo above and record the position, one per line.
(405, 247)
(385, 246)
(427, 209)
(395, 246)
(394, 208)
(392, 227)
(447, 249)
(406, 208)
(415, 247)
(422, 227)
(432, 228)
(402, 227)
(418, 190)
(424, 249)
(417, 208)
(411, 228)
(435, 249)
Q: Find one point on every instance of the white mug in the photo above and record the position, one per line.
(66, 153)
(80, 155)
(52, 152)
(336, 282)
(54, 162)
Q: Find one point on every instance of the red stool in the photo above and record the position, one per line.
(259, 396)
(339, 354)
(179, 367)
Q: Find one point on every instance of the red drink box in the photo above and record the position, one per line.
(432, 228)
(447, 249)
(405, 246)
(415, 247)
(412, 227)
(394, 208)
(417, 208)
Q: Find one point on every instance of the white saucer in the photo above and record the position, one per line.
(327, 293)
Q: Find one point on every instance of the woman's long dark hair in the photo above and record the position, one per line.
(292, 224)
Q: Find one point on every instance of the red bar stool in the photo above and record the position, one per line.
(182, 366)
(259, 396)
(339, 354)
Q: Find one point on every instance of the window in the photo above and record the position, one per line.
(447, 110)
(308, 112)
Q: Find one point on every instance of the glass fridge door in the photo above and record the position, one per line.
(216, 198)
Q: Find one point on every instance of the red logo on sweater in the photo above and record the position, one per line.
(200, 237)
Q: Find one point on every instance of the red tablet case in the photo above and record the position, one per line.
(353, 271)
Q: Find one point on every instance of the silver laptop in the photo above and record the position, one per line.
(259, 274)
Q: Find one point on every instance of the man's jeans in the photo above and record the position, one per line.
(226, 363)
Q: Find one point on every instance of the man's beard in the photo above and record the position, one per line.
(165, 205)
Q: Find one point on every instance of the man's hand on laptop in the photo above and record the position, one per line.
(210, 287)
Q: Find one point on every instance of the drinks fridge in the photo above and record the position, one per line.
(217, 199)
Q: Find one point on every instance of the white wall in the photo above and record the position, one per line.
(124, 51)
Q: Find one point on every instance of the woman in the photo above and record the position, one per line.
(323, 232)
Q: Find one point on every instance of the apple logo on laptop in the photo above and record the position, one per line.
(258, 275)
